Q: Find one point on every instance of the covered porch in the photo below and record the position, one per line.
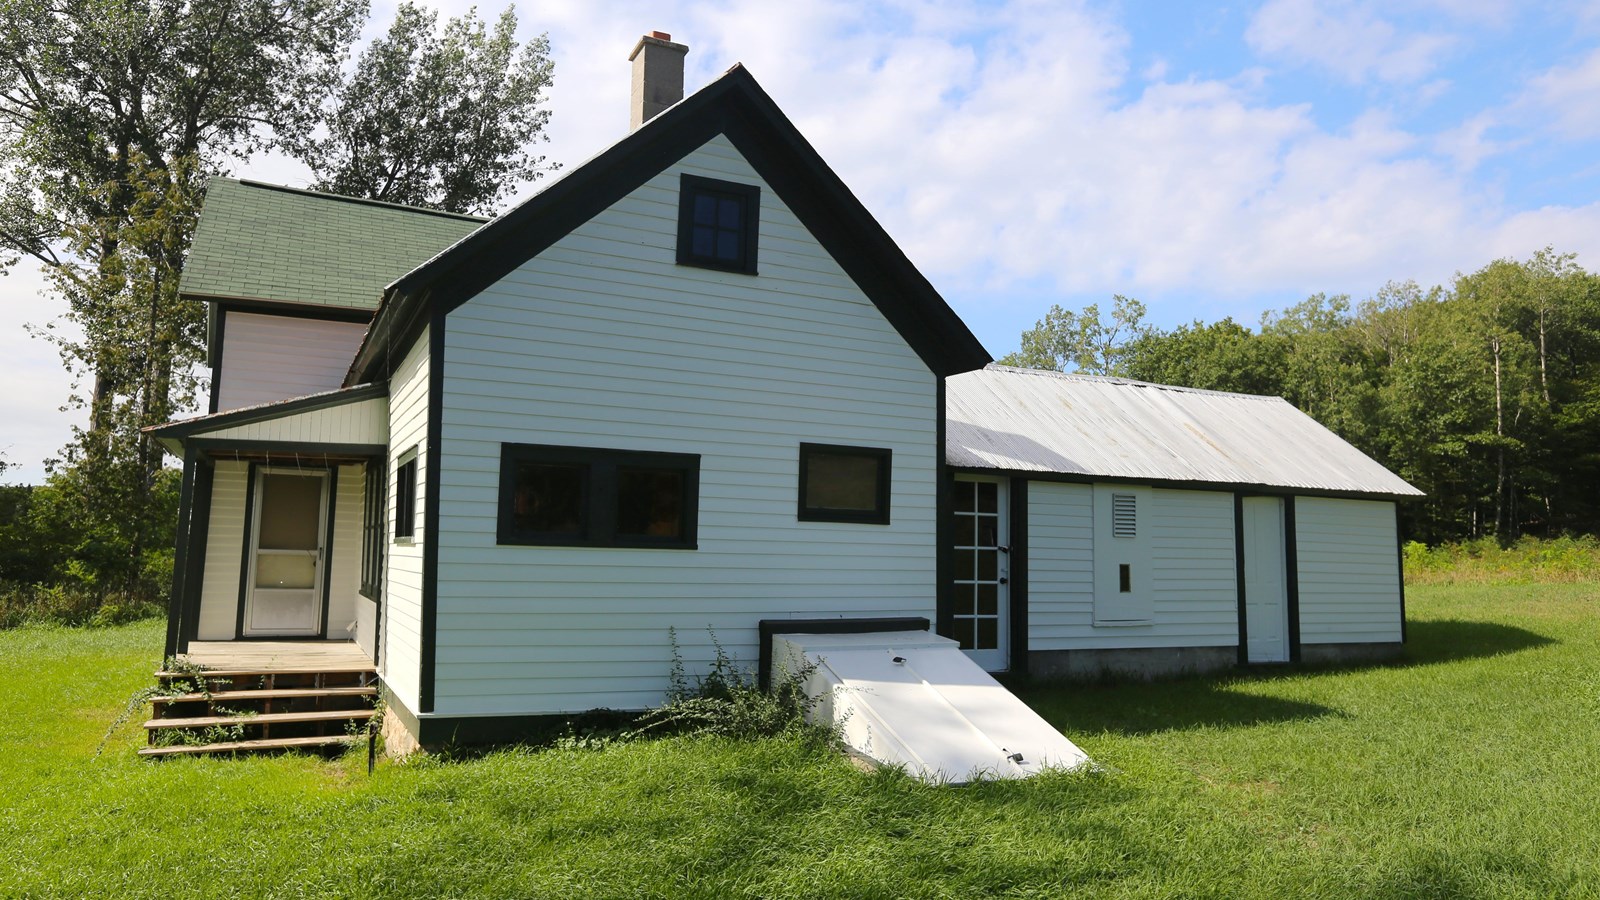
(279, 546)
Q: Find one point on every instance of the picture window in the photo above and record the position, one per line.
(581, 496)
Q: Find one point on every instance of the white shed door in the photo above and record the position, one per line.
(286, 568)
(1266, 586)
(980, 568)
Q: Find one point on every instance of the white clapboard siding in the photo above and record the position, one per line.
(361, 422)
(267, 358)
(345, 579)
(1349, 571)
(400, 658)
(1191, 569)
(219, 586)
(602, 341)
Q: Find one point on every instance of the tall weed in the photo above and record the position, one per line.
(1483, 561)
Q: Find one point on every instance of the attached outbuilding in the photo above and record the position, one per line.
(1108, 525)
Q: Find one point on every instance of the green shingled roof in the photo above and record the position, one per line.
(265, 242)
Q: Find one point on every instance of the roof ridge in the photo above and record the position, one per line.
(343, 198)
(1129, 382)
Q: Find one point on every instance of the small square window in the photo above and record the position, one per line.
(405, 496)
(844, 484)
(717, 224)
(596, 497)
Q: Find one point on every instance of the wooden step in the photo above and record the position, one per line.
(268, 694)
(295, 670)
(263, 719)
(247, 746)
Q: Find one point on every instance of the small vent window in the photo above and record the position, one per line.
(1124, 517)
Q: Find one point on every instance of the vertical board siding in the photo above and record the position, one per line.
(267, 358)
(346, 575)
(361, 422)
(219, 585)
(1349, 571)
(603, 341)
(1190, 564)
(401, 656)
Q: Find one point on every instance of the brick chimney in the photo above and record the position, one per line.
(657, 76)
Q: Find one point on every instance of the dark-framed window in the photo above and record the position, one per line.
(844, 484)
(405, 496)
(583, 496)
(718, 224)
(372, 531)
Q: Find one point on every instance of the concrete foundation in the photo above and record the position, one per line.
(1351, 654)
(398, 740)
(1142, 663)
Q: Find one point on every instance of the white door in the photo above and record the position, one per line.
(1266, 586)
(980, 568)
(285, 583)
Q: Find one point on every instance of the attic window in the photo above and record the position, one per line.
(717, 224)
(1123, 516)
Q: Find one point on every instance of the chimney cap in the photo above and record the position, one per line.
(659, 39)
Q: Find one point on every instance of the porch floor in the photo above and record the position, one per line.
(269, 656)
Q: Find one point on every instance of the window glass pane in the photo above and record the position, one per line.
(549, 498)
(728, 246)
(705, 240)
(705, 209)
(964, 495)
(650, 502)
(988, 634)
(988, 497)
(988, 565)
(966, 531)
(963, 632)
(963, 565)
(290, 511)
(841, 481)
(286, 570)
(728, 213)
(988, 531)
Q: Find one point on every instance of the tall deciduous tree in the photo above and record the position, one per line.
(1065, 340)
(439, 119)
(111, 111)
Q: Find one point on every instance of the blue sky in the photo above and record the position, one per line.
(1211, 159)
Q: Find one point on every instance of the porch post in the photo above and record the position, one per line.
(180, 559)
(199, 530)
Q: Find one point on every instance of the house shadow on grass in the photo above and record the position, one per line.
(1433, 641)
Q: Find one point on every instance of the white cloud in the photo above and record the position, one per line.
(1349, 39)
(1567, 97)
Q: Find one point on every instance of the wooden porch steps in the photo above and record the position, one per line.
(285, 699)
(256, 746)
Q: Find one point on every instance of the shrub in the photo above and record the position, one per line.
(1484, 561)
(728, 701)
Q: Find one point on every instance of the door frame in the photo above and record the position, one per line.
(1006, 570)
(1291, 575)
(253, 487)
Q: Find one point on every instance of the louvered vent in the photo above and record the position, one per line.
(1124, 520)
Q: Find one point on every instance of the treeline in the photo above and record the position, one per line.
(1484, 393)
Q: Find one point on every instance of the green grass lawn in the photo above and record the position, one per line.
(1474, 770)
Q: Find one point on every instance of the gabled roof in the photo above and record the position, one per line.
(263, 242)
(734, 105)
(1027, 420)
(172, 435)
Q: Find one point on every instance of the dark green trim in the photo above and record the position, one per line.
(1238, 564)
(248, 551)
(1291, 574)
(1223, 487)
(1400, 569)
(430, 515)
(305, 451)
(180, 554)
(877, 516)
(736, 106)
(1017, 593)
(266, 413)
(944, 523)
(601, 487)
(200, 536)
(258, 306)
(219, 342)
(749, 198)
(767, 628)
(327, 549)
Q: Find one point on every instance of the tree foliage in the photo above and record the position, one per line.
(1484, 393)
(1082, 341)
(439, 119)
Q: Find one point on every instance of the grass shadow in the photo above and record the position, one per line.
(1150, 707)
(1431, 641)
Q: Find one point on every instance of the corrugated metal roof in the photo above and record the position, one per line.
(1037, 421)
(266, 242)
